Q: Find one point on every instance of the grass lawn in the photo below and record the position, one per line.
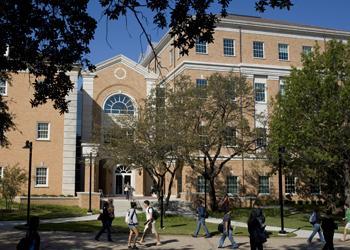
(43, 211)
(174, 225)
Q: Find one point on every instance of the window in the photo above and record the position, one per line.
(264, 185)
(283, 52)
(229, 47)
(201, 184)
(314, 186)
(282, 85)
(160, 97)
(43, 131)
(307, 50)
(232, 184)
(230, 136)
(179, 184)
(203, 136)
(260, 92)
(1, 172)
(201, 47)
(3, 87)
(289, 184)
(258, 49)
(41, 177)
(261, 137)
(202, 85)
(119, 104)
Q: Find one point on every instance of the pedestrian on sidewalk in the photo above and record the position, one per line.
(347, 220)
(256, 227)
(224, 204)
(132, 221)
(127, 190)
(201, 216)
(227, 231)
(105, 219)
(150, 224)
(328, 227)
(32, 239)
(315, 220)
(110, 212)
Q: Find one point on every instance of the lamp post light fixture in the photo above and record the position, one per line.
(29, 145)
(281, 151)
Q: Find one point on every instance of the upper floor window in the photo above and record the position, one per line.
(201, 47)
(289, 184)
(43, 131)
(307, 50)
(119, 104)
(3, 87)
(201, 84)
(261, 137)
(203, 136)
(258, 49)
(230, 136)
(1, 172)
(41, 177)
(283, 52)
(282, 91)
(232, 184)
(264, 185)
(260, 92)
(229, 47)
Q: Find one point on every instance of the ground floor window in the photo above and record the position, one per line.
(290, 184)
(179, 184)
(41, 175)
(264, 187)
(1, 172)
(232, 184)
(201, 184)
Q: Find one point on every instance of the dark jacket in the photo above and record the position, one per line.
(256, 227)
(328, 226)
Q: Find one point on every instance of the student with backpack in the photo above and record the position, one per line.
(201, 216)
(131, 220)
(315, 220)
(227, 231)
(150, 224)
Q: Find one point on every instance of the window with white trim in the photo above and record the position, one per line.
(229, 47)
(232, 184)
(264, 185)
(3, 87)
(260, 92)
(258, 49)
(201, 46)
(230, 136)
(260, 137)
(43, 131)
(289, 184)
(282, 85)
(41, 177)
(1, 172)
(202, 84)
(283, 52)
(307, 50)
(201, 184)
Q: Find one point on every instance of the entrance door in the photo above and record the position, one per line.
(122, 177)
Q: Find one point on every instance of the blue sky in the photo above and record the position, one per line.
(123, 36)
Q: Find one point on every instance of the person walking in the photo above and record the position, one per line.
(127, 190)
(105, 219)
(110, 210)
(227, 231)
(150, 224)
(224, 204)
(315, 220)
(347, 220)
(256, 227)
(132, 221)
(201, 216)
(328, 226)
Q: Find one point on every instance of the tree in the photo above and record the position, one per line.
(46, 38)
(312, 121)
(221, 115)
(11, 184)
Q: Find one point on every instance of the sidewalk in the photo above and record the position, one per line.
(79, 241)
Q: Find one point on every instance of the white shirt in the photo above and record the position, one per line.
(131, 217)
(149, 211)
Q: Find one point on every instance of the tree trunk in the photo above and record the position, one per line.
(212, 195)
(170, 184)
(347, 181)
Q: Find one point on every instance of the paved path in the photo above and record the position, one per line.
(79, 241)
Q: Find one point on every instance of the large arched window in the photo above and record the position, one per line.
(119, 104)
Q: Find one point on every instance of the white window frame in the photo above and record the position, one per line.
(282, 82)
(285, 185)
(268, 178)
(303, 49)
(205, 46)
(232, 194)
(263, 50)
(47, 177)
(233, 48)
(6, 87)
(48, 131)
(1, 172)
(288, 57)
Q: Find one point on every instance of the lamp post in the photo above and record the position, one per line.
(90, 151)
(205, 175)
(162, 203)
(281, 151)
(90, 180)
(29, 145)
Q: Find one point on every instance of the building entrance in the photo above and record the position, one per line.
(122, 177)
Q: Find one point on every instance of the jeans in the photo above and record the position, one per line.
(316, 229)
(229, 235)
(105, 226)
(201, 222)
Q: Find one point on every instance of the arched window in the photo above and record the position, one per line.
(122, 170)
(119, 104)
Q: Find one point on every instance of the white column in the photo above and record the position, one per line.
(87, 105)
(69, 140)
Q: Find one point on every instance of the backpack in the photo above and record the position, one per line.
(155, 214)
(129, 220)
(221, 227)
(312, 218)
